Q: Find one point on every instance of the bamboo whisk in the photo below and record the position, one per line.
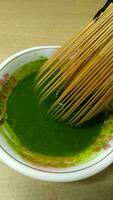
(81, 73)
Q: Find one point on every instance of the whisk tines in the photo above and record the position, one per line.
(81, 73)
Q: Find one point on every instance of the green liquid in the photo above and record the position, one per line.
(38, 131)
(39, 138)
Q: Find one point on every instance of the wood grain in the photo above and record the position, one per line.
(27, 23)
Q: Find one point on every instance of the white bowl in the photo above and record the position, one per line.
(11, 158)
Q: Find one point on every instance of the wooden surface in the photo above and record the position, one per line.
(27, 23)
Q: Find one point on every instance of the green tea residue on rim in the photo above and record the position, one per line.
(40, 139)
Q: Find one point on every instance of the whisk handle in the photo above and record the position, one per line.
(103, 8)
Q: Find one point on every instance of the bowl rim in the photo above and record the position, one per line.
(43, 175)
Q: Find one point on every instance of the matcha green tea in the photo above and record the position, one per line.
(35, 135)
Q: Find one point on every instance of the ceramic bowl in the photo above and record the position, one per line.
(103, 158)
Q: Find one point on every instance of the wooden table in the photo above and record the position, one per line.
(27, 23)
